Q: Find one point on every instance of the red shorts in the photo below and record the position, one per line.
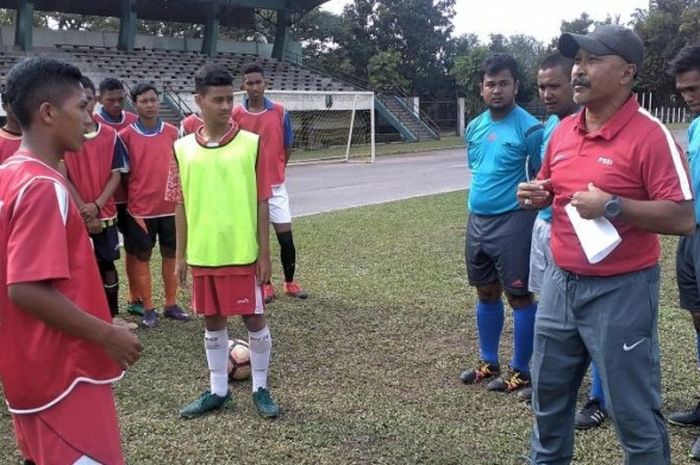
(84, 423)
(226, 291)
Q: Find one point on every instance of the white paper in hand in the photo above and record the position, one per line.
(598, 237)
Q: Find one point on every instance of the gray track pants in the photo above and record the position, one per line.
(612, 320)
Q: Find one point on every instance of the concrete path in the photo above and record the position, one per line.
(318, 188)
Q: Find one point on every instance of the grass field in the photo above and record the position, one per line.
(362, 152)
(366, 369)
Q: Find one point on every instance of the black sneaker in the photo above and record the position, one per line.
(689, 418)
(591, 415)
(515, 381)
(483, 371)
(525, 395)
(695, 450)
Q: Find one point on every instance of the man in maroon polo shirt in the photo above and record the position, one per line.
(612, 161)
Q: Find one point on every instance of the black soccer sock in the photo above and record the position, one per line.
(288, 254)
(110, 280)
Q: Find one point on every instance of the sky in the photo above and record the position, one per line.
(538, 18)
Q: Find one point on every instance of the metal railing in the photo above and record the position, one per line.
(183, 109)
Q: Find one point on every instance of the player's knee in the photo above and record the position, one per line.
(490, 293)
(143, 255)
(282, 228)
(519, 301)
(254, 323)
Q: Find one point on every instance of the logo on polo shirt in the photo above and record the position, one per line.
(491, 137)
(603, 160)
(243, 301)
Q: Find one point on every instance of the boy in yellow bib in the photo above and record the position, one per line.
(221, 190)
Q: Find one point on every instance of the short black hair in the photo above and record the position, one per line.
(211, 75)
(142, 88)
(252, 68)
(497, 62)
(556, 60)
(37, 80)
(110, 83)
(688, 59)
(87, 83)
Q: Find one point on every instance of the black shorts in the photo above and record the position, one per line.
(688, 271)
(122, 215)
(498, 250)
(139, 239)
(106, 244)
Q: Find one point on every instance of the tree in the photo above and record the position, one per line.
(384, 71)
(665, 27)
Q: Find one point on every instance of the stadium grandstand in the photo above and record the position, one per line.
(320, 102)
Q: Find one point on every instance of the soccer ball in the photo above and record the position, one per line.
(238, 360)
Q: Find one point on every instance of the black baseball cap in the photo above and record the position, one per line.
(607, 39)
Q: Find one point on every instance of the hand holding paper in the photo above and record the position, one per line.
(598, 236)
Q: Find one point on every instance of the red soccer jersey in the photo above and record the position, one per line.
(43, 239)
(149, 163)
(269, 125)
(9, 144)
(90, 169)
(127, 119)
(190, 124)
(634, 156)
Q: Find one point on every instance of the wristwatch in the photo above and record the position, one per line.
(613, 208)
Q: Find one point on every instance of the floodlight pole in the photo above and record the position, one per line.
(127, 26)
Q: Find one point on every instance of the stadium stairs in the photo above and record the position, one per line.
(171, 72)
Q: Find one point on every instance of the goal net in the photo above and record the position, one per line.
(328, 125)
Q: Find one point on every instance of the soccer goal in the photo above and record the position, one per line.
(329, 125)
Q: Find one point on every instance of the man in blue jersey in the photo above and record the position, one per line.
(686, 69)
(557, 95)
(503, 149)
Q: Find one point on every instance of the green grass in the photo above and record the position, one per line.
(362, 152)
(366, 369)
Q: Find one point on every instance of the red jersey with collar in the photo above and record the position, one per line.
(149, 163)
(633, 156)
(90, 169)
(43, 239)
(190, 124)
(269, 125)
(127, 119)
(9, 144)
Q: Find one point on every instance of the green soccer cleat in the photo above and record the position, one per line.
(205, 403)
(264, 403)
(135, 308)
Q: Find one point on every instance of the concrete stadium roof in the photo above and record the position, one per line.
(231, 12)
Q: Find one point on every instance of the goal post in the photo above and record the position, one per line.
(331, 125)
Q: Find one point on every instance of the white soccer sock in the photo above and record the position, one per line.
(216, 347)
(260, 345)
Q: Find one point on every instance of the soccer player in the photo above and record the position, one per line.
(149, 144)
(60, 351)
(94, 172)
(271, 121)
(11, 133)
(557, 95)
(190, 124)
(614, 161)
(503, 149)
(221, 187)
(686, 69)
(111, 113)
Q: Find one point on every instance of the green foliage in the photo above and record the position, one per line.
(384, 71)
(665, 27)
